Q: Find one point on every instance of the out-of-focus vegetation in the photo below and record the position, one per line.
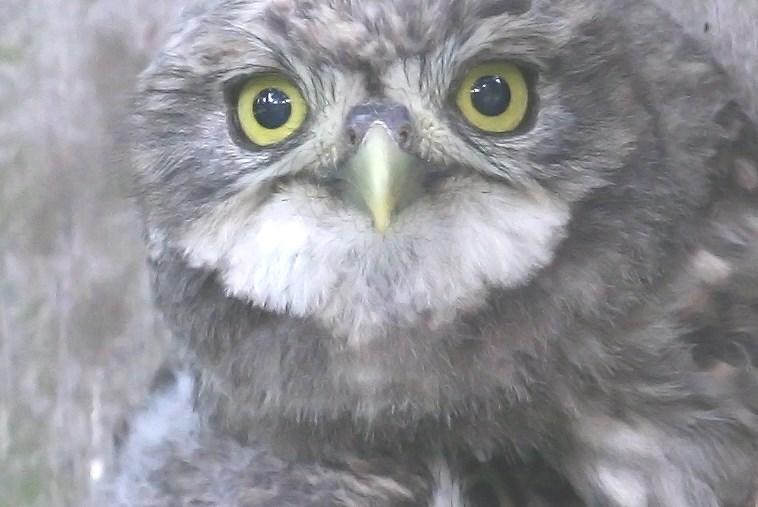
(78, 337)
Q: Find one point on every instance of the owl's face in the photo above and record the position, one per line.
(386, 170)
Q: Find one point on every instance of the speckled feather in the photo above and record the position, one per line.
(585, 289)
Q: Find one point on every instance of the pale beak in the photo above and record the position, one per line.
(380, 172)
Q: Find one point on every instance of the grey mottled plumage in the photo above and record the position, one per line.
(578, 296)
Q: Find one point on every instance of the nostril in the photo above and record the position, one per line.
(352, 137)
(404, 136)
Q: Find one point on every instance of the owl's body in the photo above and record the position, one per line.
(580, 283)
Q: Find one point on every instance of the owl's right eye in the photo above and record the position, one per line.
(270, 108)
(494, 97)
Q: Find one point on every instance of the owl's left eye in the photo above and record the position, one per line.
(494, 97)
(270, 108)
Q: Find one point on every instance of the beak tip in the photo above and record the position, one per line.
(382, 222)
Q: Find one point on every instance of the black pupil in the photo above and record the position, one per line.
(491, 95)
(482, 495)
(272, 108)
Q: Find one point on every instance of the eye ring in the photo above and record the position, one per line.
(494, 97)
(270, 108)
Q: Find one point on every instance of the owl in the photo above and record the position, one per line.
(448, 253)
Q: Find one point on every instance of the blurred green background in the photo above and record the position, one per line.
(78, 338)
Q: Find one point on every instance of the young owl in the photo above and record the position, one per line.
(448, 252)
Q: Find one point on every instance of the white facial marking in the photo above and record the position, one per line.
(302, 253)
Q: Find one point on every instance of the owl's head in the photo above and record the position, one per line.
(402, 174)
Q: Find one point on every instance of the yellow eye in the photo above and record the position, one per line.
(270, 108)
(494, 97)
